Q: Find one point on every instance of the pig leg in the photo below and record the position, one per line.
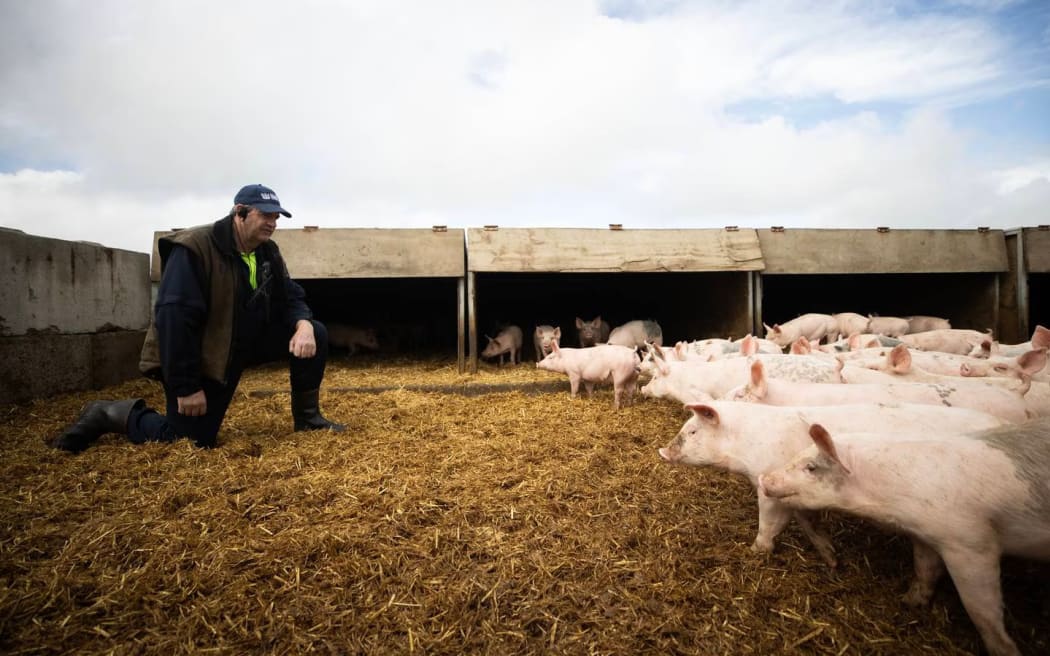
(617, 395)
(976, 577)
(589, 386)
(773, 517)
(574, 384)
(928, 569)
(807, 522)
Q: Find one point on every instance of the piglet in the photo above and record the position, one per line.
(813, 326)
(636, 333)
(352, 337)
(965, 501)
(507, 341)
(595, 331)
(596, 364)
(542, 338)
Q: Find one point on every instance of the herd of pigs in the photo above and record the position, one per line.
(941, 433)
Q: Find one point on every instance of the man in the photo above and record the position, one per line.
(225, 302)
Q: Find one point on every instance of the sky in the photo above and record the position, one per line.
(119, 118)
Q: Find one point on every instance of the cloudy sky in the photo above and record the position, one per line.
(121, 117)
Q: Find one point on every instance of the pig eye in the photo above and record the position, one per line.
(811, 467)
(1000, 367)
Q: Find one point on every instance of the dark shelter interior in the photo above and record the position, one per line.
(410, 315)
(418, 316)
(686, 305)
(1038, 301)
(968, 300)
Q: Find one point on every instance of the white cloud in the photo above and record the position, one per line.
(400, 114)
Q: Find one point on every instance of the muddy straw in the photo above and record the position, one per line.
(441, 523)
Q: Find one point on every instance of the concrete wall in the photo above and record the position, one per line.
(72, 315)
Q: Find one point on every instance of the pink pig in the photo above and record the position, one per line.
(596, 364)
(812, 326)
(966, 502)
(951, 340)
(507, 341)
(1003, 403)
(752, 440)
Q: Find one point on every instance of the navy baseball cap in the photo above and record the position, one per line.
(261, 198)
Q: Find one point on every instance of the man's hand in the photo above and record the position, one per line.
(194, 405)
(302, 344)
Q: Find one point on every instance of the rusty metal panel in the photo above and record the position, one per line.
(801, 251)
(568, 250)
(1037, 250)
(365, 253)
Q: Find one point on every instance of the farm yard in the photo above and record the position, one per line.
(485, 514)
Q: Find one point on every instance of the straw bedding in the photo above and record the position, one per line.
(445, 521)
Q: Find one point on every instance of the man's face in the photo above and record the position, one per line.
(259, 226)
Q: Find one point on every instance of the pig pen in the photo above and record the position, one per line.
(694, 283)
(953, 274)
(486, 513)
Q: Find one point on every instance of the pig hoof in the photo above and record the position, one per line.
(916, 596)
(762, 547)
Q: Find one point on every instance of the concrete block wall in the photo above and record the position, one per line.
(72, 315)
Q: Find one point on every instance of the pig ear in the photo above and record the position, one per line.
(554, 347)
(749, 346)
(825, 445)
(1041, 337)
(757, 386)
(1033, 361)
(557, 333)
(854, 342)
(899, 359)
(579, 322)
(704, 412)
(766, 326)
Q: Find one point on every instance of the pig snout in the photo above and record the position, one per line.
(771, 486)
(670, 454)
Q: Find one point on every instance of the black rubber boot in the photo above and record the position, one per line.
(306, 414)
(97, 419)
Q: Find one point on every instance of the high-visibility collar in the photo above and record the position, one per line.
(249, 259)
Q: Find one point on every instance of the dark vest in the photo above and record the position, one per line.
(215, 253)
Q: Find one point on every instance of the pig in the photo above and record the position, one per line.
(812, 326)
(920, 323)
(508, 340)
(636, 333)
(965, 501)
(707, 349)
(341, 335)
(850, 323)
(989, 347)
(596, 364)
(898, 362)
(889, 326)
(592, 332)
(945, 364)
(691, 381)
(1031, 364)
(542, 338)
(951, 340)
(1006, 404)
(752, 440)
